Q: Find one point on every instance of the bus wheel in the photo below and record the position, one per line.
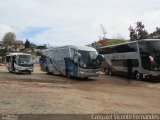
(86, 78)
(106, 71)
(48, 72)
(68, 74)
(138, 75)
(110, 72)
(29, 72)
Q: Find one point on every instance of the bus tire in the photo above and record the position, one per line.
(106, 71)
(29, 72)
(110, 72)
(47, 70)
(86, 78)
(138, 75)
(68, 74)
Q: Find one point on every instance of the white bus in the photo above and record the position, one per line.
(19, 63)
(72, 61)
(140, 59)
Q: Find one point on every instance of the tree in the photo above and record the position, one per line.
(27, 44)
(138, 33)
(103, 42)
(155, 34)
(38, 53)
(141, 32)
(9, 39)
(2, 53)
(116, 41)
(133, 35)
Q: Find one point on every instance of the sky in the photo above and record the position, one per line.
(75, 22)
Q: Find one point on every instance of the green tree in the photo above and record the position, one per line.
(9, 39)
(27, 44)
(2, 53)
(138, 33)
(141, 32)
(38, 53)
(155, 34)
(116, 41)
(133, 35)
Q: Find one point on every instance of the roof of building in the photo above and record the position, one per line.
(1, 44)
(19, 42)
(12, 54)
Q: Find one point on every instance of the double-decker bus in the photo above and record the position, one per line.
(140, 59)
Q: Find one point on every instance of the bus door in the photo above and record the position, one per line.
(144, 55)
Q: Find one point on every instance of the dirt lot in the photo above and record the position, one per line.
(41, 93)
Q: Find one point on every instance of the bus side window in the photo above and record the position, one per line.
(142, 47)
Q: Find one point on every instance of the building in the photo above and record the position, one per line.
(41, 47)
(16, 47)
(2, 47)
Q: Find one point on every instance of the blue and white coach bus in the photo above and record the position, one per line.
(72, 61)
(140, 59)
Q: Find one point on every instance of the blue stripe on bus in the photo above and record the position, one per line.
(71, 67)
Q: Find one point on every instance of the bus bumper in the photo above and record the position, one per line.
(89, 72)
(153, 76)
(20, 69)
(23, 70)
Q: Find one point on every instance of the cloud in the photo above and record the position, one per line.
(62, 22)
(4, 29)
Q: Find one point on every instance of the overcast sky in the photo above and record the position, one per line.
(62, 22)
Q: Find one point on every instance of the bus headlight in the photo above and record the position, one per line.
(83, 65)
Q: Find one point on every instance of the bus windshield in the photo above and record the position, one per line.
(150, 55)
(88, 59)
(153, 47)
(25, 60)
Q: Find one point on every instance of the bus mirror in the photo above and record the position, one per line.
(77, 57)
(100, 58)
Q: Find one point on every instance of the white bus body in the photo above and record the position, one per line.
(140, 59)
(71, 61)
(19, 62)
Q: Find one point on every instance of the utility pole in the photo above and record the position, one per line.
(103, 31)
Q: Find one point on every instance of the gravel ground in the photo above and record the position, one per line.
(40, 93)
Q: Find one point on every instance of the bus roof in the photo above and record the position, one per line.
(131, 42)
(85, 48)
(14, 54)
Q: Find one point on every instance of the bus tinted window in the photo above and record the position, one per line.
(131, 47)
(153, 46)
(142, 46)
(123, 63)
(107, 50)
